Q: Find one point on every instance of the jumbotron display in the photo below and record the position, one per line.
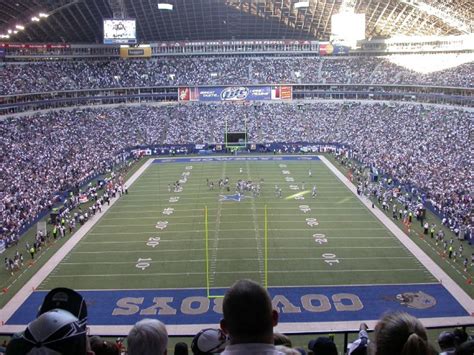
(120, 31)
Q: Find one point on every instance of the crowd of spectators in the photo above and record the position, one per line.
(420, 146)
(46, 154)
(173, 71)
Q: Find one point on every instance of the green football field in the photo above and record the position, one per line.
(153, 238)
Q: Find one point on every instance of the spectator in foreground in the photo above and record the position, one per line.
(281, 339)
(447, 343)
(460, 336)
(209, 341)
(399, 333)
(181, 349)
(248, 319)
(148, 337)
(466, 348)
(286, 350)
(103, 347)
(323, 346)
(54, 332)
(359, 346)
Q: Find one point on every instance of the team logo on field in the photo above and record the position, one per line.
(417, 300)
(234, 197)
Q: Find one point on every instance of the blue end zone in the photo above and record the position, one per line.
(226, 159)
(295, 304)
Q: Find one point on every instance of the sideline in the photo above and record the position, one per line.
(453, 288)
(22, 295)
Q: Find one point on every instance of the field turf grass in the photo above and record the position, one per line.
(125, 250)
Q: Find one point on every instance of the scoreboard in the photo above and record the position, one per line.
(120, 31)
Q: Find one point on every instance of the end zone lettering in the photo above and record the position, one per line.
(199, 305)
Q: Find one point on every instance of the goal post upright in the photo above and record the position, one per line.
(265, 248)
(206, 237)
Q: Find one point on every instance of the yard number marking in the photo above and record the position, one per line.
(143, 263)
(153, 241)
(312, 222)
(330, 258)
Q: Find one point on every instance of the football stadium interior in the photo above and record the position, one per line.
(156, 154)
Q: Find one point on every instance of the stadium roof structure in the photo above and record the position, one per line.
(80, 21)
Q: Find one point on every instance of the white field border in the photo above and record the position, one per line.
(115, 330)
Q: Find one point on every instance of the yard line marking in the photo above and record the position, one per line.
(291, 286)
(233, 272)
(153, 230)
(257, 233)
(228, 214)
(222, 239)
(226, 259)
(215, 242)
(283, 202)
(228, 222)
(223, 248)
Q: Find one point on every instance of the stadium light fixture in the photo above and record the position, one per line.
(15, 32)
(35, 19)
(10, 31)
(20, 27)
(165, 6)
(301, 4)
(42, 14)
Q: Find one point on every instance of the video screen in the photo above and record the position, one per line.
(120, 31)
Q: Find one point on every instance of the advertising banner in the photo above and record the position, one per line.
(235, 93)
(282, 93)
(326, 49)
(188, 94)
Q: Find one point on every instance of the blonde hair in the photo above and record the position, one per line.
(399, 333)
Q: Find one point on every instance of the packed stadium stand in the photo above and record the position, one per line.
(399, 102)
(80, 75)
